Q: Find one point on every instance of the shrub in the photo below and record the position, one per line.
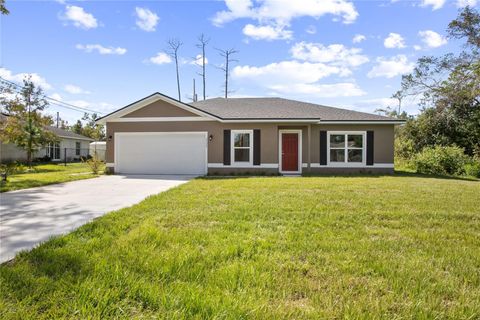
(473, 169)
(404, 148)
(7, 169)
(95, 164)
(441, 160)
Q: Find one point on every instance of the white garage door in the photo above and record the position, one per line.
(161, 152)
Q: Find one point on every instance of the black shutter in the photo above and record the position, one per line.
(323, 148)
(226, 147)
(370, 148)
(256, 147)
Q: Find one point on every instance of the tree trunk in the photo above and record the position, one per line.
(203, 70)
(178, 78)
(226, 76)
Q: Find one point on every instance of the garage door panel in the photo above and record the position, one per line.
(161, 153)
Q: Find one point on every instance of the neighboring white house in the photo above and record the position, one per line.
(71, 147)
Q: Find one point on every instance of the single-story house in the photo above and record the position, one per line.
(71, 146)
(161, 135)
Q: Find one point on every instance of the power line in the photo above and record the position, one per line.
(54, 101)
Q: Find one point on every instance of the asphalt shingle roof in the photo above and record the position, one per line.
(279, 108)
(67, 134)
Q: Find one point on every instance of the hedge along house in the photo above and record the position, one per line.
(161, 135)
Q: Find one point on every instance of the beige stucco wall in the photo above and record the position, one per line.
(382, 141)
(160, 109)
(383, 134)
(383, 137)
(269, 140)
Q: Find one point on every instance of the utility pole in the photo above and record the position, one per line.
(194, 98)
(58, 118)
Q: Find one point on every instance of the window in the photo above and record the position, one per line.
(77, 148)
(242, 142)
(346, 147)
(53, 151)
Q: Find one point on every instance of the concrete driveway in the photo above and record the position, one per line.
(31, 216)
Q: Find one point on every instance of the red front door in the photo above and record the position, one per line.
(289, 152)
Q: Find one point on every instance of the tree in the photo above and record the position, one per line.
(202, 43)
(449, 91)
(227, 55)
(3, 9)
(89, 128)
(174, 44)
(25, 125)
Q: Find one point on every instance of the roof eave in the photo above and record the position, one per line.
(362, 121)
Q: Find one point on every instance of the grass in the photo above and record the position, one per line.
(45, 174)
(391, 247)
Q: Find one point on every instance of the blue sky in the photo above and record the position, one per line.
(103, 55)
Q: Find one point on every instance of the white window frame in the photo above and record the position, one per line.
(232, 148)
(346, 163)
(78, 151)
(50, 149)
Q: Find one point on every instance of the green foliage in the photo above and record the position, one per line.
(3, 9)
(404, 148)
(95, 164)
(25, 125)
(7, 169)
(441, 160)
(89, 128)
(449, 88)
(472, 168)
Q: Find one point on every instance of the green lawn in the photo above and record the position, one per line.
(44, 174)
(391, 247)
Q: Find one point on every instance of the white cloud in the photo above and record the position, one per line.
(432, 39)
(417, 47)
(343, 89)
(56, 96)
(285, 72)
(392, 67)
(335, 55)
(436, 4)
(101, 49)
(394, 40)
(358, 38)
(410, 105)
(282, 11)
(296, 78)
(19, 77)
(160, 58)
(267, 32)
(79, 17)
(198, 60)
(146, 19)
(70, 88)
(311, 29)
(464, 3)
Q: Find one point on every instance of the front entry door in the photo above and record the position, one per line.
(290, 152)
